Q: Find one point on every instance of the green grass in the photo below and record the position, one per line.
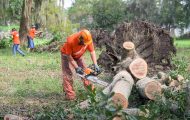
(8, 28)
(33, 80)
(182, 43)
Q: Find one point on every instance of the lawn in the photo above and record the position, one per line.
(29, 83)
(182, 43)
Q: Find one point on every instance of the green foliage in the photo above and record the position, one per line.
(15, 9)
(56, 22)
(170, 106)
(142, 9)
(81, 12)
(180, 67)
(4, 43)
(107, 13)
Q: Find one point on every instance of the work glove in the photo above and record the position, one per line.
(79, 70)
(96, 68)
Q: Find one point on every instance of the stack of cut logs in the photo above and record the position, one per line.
(132, 70)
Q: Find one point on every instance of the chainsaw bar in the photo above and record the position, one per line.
(93, 79)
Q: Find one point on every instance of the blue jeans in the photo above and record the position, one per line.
(30, 42)
(16, 48)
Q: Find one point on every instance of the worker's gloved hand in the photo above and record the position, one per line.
(97, 68)
(79, 70)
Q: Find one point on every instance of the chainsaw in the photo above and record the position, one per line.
(91, 75)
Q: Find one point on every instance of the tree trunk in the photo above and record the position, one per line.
(149, 88)
(25, 20)
(36, 15)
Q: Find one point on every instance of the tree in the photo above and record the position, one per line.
(36, 11)
(141, 9)
(3, 10)
(81, 12)
(107, 13)
(25, 19)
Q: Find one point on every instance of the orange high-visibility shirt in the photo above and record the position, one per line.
(72, 47)
(15, 35)
(32, 32)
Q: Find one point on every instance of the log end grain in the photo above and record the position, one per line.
(139, 68)
(128, 45)
(152, 89)
(120, 100)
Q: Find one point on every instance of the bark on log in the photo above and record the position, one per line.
(121, 86)
(122, 75)
(122, 90)
(149, 88)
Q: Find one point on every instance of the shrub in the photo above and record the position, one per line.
(5, 43)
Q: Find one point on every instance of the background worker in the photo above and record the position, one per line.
(72, 57)
(30, 37)
(16, 42)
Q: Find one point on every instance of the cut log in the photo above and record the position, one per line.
(138, 68)
(122, 75)
(149, 88)
(121, 86)
(122, 90)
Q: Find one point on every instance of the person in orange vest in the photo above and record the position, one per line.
(16, 42)
(30, 37)
(72, 57)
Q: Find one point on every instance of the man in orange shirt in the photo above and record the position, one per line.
(16, 42)
(30, 37)
(72, 57)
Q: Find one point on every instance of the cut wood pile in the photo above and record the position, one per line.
(153, 44)
(131, 72)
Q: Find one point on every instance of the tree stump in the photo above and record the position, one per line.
(149, 88)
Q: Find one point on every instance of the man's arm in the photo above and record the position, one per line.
(93, 57)
(73, 63)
